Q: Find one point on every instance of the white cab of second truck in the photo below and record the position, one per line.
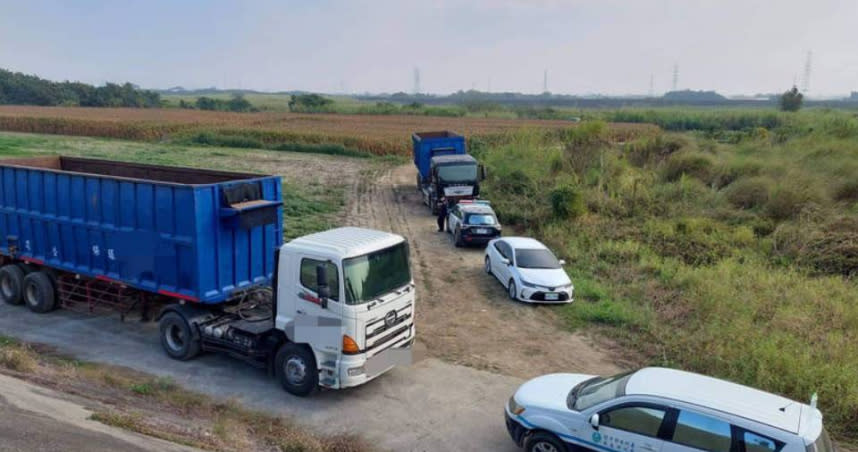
(361, 322)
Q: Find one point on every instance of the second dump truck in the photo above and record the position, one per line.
(444, 168)
(332, 309)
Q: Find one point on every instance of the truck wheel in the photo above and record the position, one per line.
(177, 338)
(11, 284)
(295, 366)
(543, 442)
(39, 292)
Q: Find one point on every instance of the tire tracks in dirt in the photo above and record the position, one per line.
(463, 315)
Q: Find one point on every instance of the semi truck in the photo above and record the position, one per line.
(333, 309)
(444, 168)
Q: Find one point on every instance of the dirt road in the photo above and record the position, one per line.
(479, 345)
(33, 418)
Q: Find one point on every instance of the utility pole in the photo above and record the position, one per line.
(545, 81)
(805, 83)
(675, 77)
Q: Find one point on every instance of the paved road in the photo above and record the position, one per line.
(429, 406)
(33, 418)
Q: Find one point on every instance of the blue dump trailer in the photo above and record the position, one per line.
(444, 169)
(332, 309)
(190, 234)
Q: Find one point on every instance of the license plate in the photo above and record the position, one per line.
(552, 296)
(481, 231)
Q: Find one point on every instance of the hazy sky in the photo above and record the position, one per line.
(594, 46)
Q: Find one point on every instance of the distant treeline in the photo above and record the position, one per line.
(237, 104)
(22, 89)
(472, 98)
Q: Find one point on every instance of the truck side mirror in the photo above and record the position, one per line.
(594, 421)
(322, 285)
(482, 173)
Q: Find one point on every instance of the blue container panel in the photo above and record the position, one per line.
(160, 237)
(426, 148)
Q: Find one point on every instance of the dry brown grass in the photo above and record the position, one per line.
(382, 135)
(160, 408)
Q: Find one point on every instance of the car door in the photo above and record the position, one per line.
(502, 269)
(695, 432)
(631, 427)
(454, 219)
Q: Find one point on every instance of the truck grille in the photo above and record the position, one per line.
(377, 328)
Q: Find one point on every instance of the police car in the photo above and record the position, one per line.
(659, 410)
(472, 222)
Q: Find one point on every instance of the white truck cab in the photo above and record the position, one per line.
(659, 410)
(341, 314)
(360, 322)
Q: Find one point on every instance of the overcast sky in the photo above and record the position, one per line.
(594, 46)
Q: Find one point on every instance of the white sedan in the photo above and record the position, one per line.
(528, 270)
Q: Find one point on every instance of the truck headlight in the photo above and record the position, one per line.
(514, 407)
(355, 371)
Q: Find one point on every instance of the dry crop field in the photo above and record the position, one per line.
(382, 135)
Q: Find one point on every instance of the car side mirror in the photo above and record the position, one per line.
(505, 261)
(594, 421)
(322, 285)
(562, 262)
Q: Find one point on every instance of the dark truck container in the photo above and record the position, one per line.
(444, 169)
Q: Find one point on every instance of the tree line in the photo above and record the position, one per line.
(22, 89)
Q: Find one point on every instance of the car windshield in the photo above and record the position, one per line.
(375, 274)
(458, 173)
(597, 390)
(481, 219)
(533, 258)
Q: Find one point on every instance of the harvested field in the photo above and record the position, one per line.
(381, 135)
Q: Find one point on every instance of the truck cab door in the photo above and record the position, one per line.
(315, 324)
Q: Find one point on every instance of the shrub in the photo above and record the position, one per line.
(847, 191)
(648, 150)
(787, 202)
(750, 192)
(567, 202)
(693, 164)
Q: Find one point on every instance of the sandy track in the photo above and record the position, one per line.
(464, 315)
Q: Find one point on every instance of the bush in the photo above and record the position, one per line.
(847, 191)
(567, 202)
(693, 164)
(787, 202)
(649, 150)
(750, 192)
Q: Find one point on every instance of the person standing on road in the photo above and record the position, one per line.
(442, 214)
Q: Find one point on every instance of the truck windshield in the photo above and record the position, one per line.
(370, 276)
(597, 390)
(452, 174)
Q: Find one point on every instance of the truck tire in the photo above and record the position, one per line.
(39, 293)
(543, 442)
(177, 338)
(12, 284)
(295, 367)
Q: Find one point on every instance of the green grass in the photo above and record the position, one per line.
(735, 257)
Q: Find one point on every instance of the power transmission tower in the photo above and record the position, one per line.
(545, 81)
(675, 77)
(651, 85)
(805, 83)
(416, 80)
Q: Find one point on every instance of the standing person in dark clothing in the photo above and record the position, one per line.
(442, 214)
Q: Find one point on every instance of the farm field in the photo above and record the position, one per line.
(331, 133)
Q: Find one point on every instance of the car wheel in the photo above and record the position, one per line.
(295, 366)
(512, 291)
(39, 292)
(488, 266)
(543, 442)
(458, 238)
(11, 284)
(177, 339)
